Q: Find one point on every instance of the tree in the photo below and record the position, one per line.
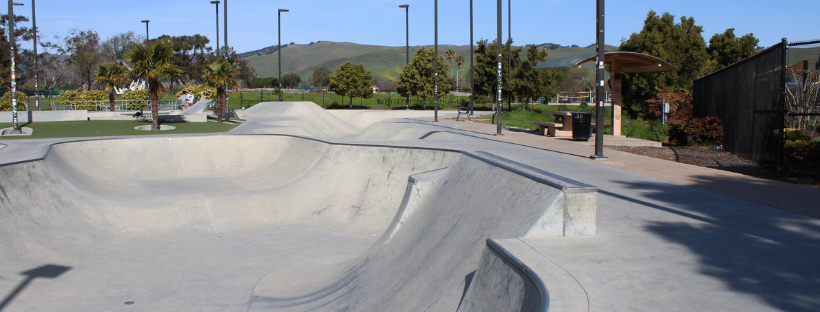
(24, 58)
(532, 84)
(112, 74)
(351, 80)
(116, 47)
(486, 68)
(321, 77)
(680, 44)
(725, 49)
(246, 72)
(417, 78)
(221, 72)
(151, 63)
(55, 62)
(86, 52)
(269, 82)
(291, 81)
(450, 54)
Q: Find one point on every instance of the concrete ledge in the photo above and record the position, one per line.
(513, 277)
(164, 116)
(43, 116)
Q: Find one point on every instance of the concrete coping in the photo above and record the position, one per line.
(565, 184)
(24, 131)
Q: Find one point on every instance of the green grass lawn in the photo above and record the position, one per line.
(66, 129)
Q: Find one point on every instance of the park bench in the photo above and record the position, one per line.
(465, 111)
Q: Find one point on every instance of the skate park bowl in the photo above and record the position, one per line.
(277, 222)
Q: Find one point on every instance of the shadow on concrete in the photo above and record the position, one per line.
(761, 251)
(47, 271)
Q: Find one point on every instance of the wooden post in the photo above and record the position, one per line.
(617, 83)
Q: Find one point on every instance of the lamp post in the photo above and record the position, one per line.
(13, 77)
(147, 83)
(599, 83)
(406, 8)
(226, 27)
(216, 4)
(36, 66)
(471, 57)
(435, 61)
(509, 52)
(499, 60)
(280, 52)
(146, 30)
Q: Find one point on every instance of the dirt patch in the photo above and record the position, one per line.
(711, 158)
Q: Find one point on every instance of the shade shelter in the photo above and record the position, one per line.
(620, 63)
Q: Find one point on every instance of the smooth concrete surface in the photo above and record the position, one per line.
(659, 245)
(43, 116)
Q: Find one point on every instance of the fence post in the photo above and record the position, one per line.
(781, 103)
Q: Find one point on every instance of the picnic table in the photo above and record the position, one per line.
(561, 127)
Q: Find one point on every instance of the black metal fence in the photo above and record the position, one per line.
(759, 96)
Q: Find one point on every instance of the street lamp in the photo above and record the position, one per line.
(599, 85)
(14, 120)
(435, 61)
(146, 30)
(471, 57)
(509, 52)
(216, 4)
(499, 60)
(226, 26)
(280, 52)
(36, 66)
(406, 8)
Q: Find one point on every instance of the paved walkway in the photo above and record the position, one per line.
(791, 197)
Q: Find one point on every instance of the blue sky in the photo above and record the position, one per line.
(252, 23)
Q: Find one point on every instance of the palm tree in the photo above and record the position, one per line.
(450, 54)
(222, 73)
(151, 63)
(112, 74)
(460, 62)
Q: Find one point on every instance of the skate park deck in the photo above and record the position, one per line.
(179, 223)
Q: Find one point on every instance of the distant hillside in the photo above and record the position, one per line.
(384, 62)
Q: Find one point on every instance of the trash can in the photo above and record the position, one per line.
(581, 126)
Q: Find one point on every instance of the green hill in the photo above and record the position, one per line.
(384, 62)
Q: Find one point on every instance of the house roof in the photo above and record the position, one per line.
(629, 62)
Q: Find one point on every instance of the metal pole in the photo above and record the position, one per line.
(36, 66)
(599, 87)
(509, 53)
(280, 52)
(499, 59)
(471, 57)
(781, 106)
(435, 61)
(147, 82)
(226, 26)
(216, 4)
(13, 77)
(407, 30)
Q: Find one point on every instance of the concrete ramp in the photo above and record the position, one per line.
(198, 108)
(232, 223)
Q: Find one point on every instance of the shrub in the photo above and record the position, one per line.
(5, 103)
(91, 95)
(800, 147)
(679, 101)
(210, 92)
(138, 99)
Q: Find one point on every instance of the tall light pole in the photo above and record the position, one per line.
(509, 52)
(146, 30)
(435, 61)
(36, 66)
(226, 27)
(499, 60)
(147, 82)
(13, 77)
(280, 52)
(471, 57)
(406, 8)
(599, 83)
(216, 4)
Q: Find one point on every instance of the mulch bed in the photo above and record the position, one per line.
(711, 158)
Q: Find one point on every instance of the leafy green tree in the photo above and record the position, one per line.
(321, 77)
(24, 58)
(269, 82)
(725, 49)
(222, 73)
(418, 77)
(291, 81)
(86, 53)
(486, 69)
(351, 80)
(112, 74)
(531, 84)
(151, 63)
(681, 44)
(116, 47)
